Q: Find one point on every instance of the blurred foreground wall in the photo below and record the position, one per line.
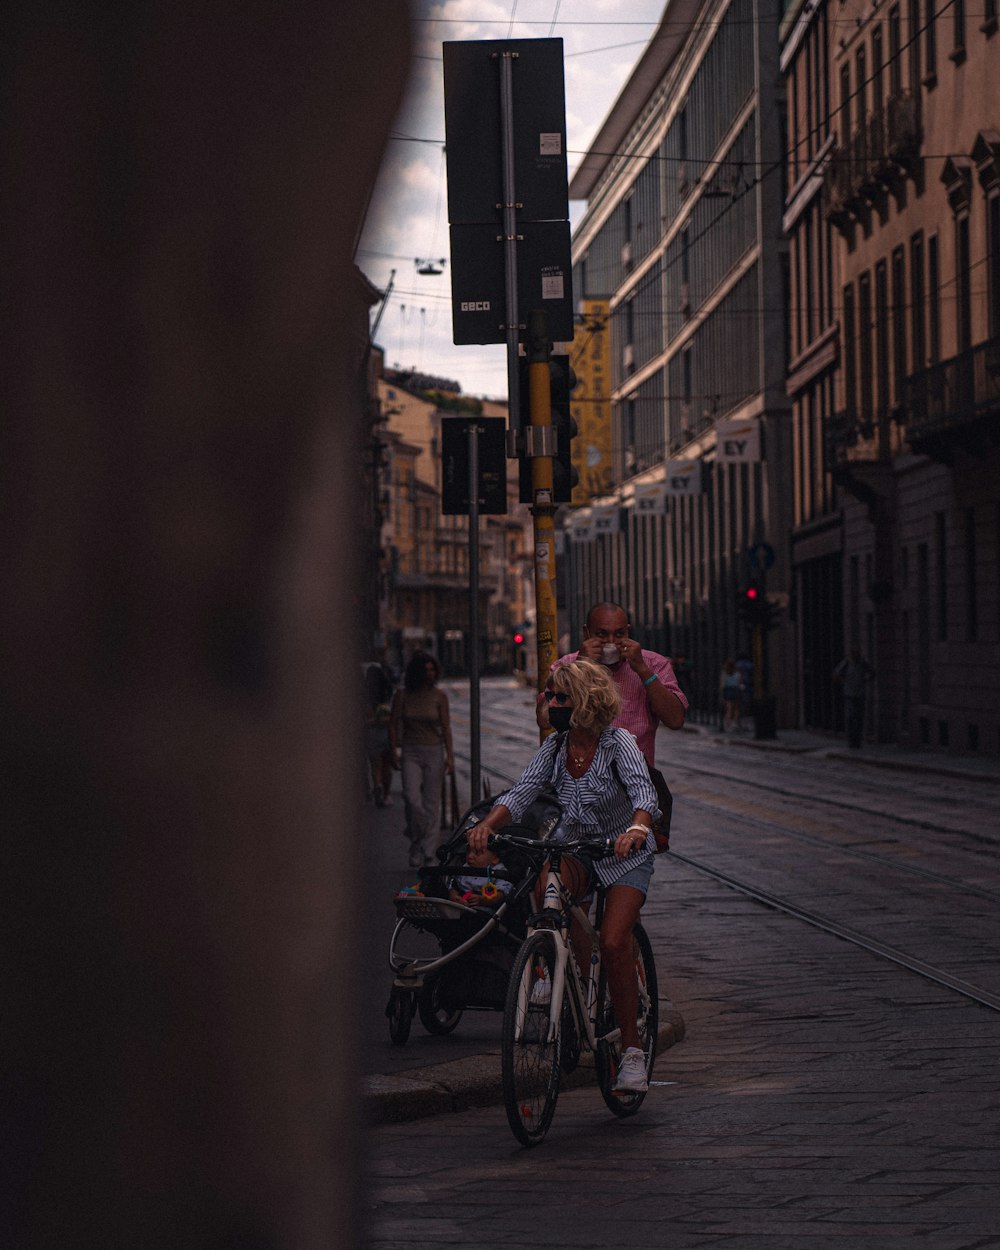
(179, 198)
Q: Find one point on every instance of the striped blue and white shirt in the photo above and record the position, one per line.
(595, 805)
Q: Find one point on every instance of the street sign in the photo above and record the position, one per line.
(492, 458)
(478, 293)
(473, 147)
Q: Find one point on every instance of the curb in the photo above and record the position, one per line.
(473, 1082)
(926, 763)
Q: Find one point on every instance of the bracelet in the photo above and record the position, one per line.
(638, 829)
(649, 680)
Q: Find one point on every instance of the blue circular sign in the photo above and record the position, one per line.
(761, 556)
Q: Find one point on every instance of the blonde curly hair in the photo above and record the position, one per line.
(594, 696)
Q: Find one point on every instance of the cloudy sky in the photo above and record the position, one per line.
(408, 218)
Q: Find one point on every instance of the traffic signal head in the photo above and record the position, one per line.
(749, 602)
(518, 638)
(564, 475)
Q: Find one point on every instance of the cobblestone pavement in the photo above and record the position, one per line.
(821, 1098)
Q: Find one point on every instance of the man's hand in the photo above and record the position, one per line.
(631, 652)
(590, 649)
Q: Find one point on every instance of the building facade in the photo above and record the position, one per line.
(682, 234)
(424, 568)
(893, 213)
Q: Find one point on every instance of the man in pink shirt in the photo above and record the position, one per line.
(646, 682)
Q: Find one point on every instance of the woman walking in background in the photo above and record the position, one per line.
(420, 743)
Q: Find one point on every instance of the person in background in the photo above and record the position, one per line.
(744, 666)
(730, 694)
(853, 674)
(420, 745)
(649, 691)
(378, 696)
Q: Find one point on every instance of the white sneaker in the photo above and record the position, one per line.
(541, 992)
(632, 1073)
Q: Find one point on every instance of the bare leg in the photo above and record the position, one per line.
(621, 912)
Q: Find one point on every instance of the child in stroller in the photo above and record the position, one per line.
(458, 929)
(478, 888)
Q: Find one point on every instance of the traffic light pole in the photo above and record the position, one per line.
(541, 444)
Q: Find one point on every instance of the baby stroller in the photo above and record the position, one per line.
(448, 956)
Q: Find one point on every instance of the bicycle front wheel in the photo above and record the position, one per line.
(530, 1060)
(648, 1020)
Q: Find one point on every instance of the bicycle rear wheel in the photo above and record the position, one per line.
(530, 1062)
(648, 1019)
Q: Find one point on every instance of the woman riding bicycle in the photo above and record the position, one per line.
(603, 786)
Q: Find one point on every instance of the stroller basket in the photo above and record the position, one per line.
(422, 909)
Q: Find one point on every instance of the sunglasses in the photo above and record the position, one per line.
(560, 696)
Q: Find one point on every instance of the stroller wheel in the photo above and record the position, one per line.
(435, 1016)
(399, 1011)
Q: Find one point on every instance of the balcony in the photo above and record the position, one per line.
(874, 160)
(855, 455)
(954, 405)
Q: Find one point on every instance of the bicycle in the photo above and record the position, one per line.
(554, 1011)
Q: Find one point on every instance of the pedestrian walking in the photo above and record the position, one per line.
(853, 674)
(730, 694)
(420, 745)
(378, 698)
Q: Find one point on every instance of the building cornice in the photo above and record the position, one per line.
(666, 44)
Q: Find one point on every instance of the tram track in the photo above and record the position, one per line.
(873, 945)
(826, 924)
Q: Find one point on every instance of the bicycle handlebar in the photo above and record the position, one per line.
(598, 847)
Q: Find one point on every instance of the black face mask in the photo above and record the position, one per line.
(559, 718)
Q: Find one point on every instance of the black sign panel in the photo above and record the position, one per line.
(478, 285)
(492, 457)
(473, 137)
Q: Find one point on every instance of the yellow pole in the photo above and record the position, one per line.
(543, 509)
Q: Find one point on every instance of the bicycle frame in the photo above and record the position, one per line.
(558, 912)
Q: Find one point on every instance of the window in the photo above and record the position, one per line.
(898, 323)
(895, 67)
(930, 45)
(877, 69)
(934, 299)
(917, 301)
(913, 18)
(860, 77)
(940, 565)
(850, 355)
(993, 255)
(971, 593)
(845, 105)
(958, 29)
(963, 279)
(882, 337)
(865, 344)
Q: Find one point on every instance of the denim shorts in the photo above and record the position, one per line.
(640, 876)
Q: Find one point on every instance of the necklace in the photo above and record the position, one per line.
(580, 759)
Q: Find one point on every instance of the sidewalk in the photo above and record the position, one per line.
(411, 1082)
(875, 755)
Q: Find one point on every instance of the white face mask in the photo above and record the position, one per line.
(610, 654)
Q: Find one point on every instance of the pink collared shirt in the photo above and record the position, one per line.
(636, 714)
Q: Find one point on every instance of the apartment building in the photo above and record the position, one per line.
(682, 234)
(893, 213)
(424, 573)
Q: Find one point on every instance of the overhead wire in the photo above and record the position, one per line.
(768, 168)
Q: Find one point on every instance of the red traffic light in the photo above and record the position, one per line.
(751, 592)
(518, 639)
